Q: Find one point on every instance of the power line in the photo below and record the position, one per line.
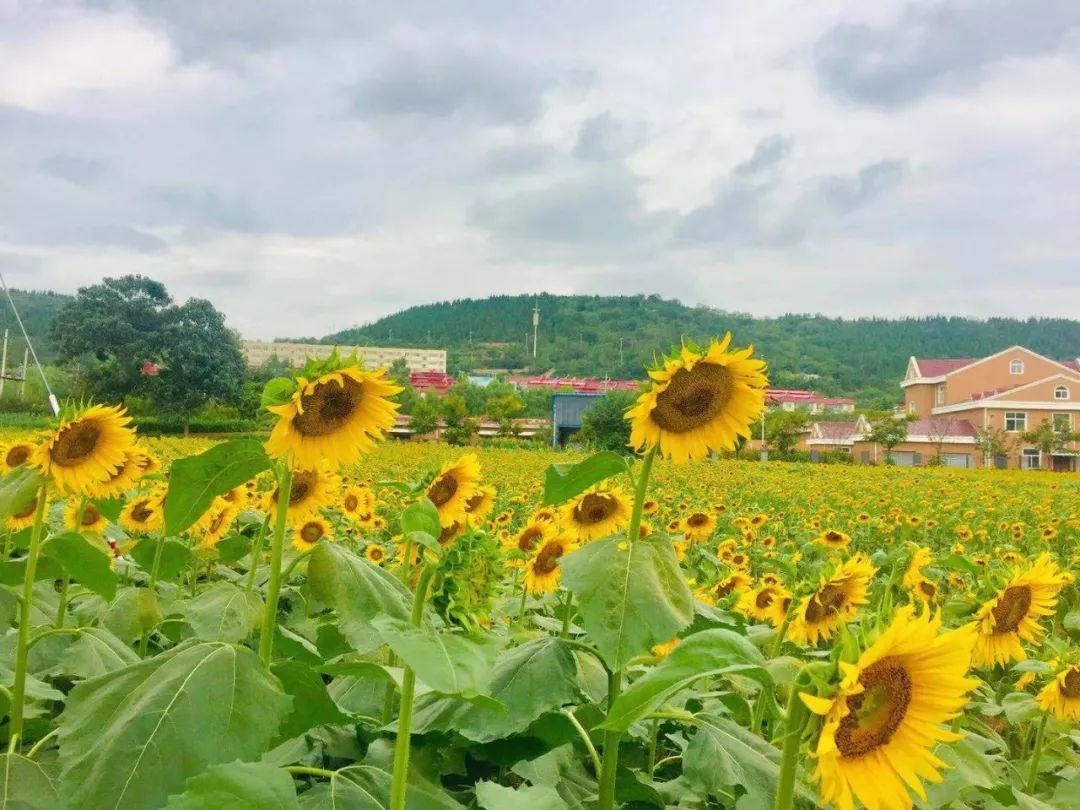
(52, 397)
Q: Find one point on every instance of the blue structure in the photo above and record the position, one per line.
(566, 412)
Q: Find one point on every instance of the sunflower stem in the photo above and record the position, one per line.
(18, 692)
(273, 587)
(521, 608)
(408, 688)
(256, 552)
(585, 739)
(61, 607)
(155, 572)
(1036, 754)
(568, 614)
(797, 715)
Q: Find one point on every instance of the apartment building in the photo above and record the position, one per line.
(258, 352)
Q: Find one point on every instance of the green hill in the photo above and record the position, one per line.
(36, 310)
(864, 358)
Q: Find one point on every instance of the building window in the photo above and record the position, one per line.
(941, 394)
(1061, 392)
(1029, 459)
(1016, 367)
(1015, 421)
(1062, 422)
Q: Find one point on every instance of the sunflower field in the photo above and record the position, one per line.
(327, 620)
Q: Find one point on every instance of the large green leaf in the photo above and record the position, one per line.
(710, 652)
(725, 758)
(96, 652)
(493, 796)
(17, 490)
(363, 787)
(311, 704)
(421, 516)
(24, 785)
(357, 590)
(528, 680)
(13, 572)
(450, 663)
(247, 785)
(174, 557)
(564, 481)
(195, 481)
(131, 738)
(222, 612)
(631, 596)
(87, 564)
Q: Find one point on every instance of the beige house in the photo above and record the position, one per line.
(258, 352)
(1014, 391)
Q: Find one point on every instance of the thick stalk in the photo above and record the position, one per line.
(273, 586)
(18, 692)
(1040, 738)
(61, 607)
(256, 552)
(797, 715)
(408, 688)
(155, 568)
(568, 614)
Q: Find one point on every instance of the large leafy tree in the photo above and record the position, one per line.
(603, 426)
(125, 337)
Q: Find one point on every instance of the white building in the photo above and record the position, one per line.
(258, 352)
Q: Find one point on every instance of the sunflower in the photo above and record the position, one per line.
(835, 602)
(141, 515)
(533, 535)
(736, 582)
(480, 504)
(122, 479)
(699, 525)
(357, 501)
(25, 516)
(1013, 615)
(334, 418)
(86, 449)
(765, 603)
(699, 401)
(309, 531)
(890, 712)
(311, 491)
(214, 523)
(451, 533)
(1061, 697)
(664, 650)
(15, 455)
(92, 520)
(375, 554)
(452, 488)
(919, 560)
(599, 511)
(833, 539)
(543, 571)
(925, 590)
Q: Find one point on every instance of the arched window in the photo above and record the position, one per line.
(1016, 367)
(1061, 392)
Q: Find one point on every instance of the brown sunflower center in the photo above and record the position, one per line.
(876, 713)
(928, 588)
(328, 408)
(475, 502)
(17, 455)
(724, 588)
(834, 537)
(303, 483)
(1071, 686)
(826, 602)
(90, 515)
(449, 533)
(697, 520)
(141, 512)
(352, 503)
(375, 553)
(594, 509)
(311, 532)
(693, 398)
(218, 521)
(527, 539)
(548, 558)
(764, 599)
(1011, 608)
(443, 489)
(75, 443)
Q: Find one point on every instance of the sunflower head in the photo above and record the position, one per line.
(452, 487)
(835, 601)
(480, 504)
(141, 516)
(699, 401)
(597, 512)
(24, 517)
(832, 538)
(543, 571)
(15, 454)
(86, 449)
(83, 517)
(309, 491)
(375, 554)
(698, 525)
(1061, 697)
(309, 531)
(467, 581)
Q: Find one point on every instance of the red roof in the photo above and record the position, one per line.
(424, 381)
(929, 367)
(1073, 364)
(837, 431)
(580, 385)
(941, 427)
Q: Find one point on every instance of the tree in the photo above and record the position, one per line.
(425, 415)
(1050, 438)
(603, 426)
(459, 427)
(505, 409)
(888, 432)
(940, 428)
(783, 429)
(993, 442)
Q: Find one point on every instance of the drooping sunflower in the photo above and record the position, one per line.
(25, 516)
(1061, 697)
(699, 525)
(921, 558)
(215, 523)
(141, 515)
(308, 531)
(92, 520)
(889, 713)
(334, 418)
(835, 602)
(1013, 615)
(766, 603)
(736, 582)
(453, 486)
(832, 538)
(597, 512)
(699, 401)
(15, 455)
(86, 449)
(451, 532)
(543, 571)
(311, 491)
(481, 503)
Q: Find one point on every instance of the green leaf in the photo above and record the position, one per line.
(109, 507)
(493, 796)
(723, 756)
(357, 590)
(174, 557)
(195, 481)
(363, 787)
(24, 785)
(969, 764)
(421, 516)
(564, 481)
(701, 655)
(13, 572)
(84, 562)
(247, 785)
(450, 663)
(222, 612)
(536, 677)
(311, 705)
(131, 738)
(277, 391)
(631, 596)
(17, 490)
(233, 547)
(96, 652)
(956, 562)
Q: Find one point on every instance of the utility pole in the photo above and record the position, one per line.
(3, 364)
(22, 385)
(620, 352)
(536, 325)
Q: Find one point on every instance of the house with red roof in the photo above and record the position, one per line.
(1009, 393)
(835, 437)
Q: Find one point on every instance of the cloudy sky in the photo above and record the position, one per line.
(310, 166)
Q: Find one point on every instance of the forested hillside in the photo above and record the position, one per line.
(864, 358)
(37, 310)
